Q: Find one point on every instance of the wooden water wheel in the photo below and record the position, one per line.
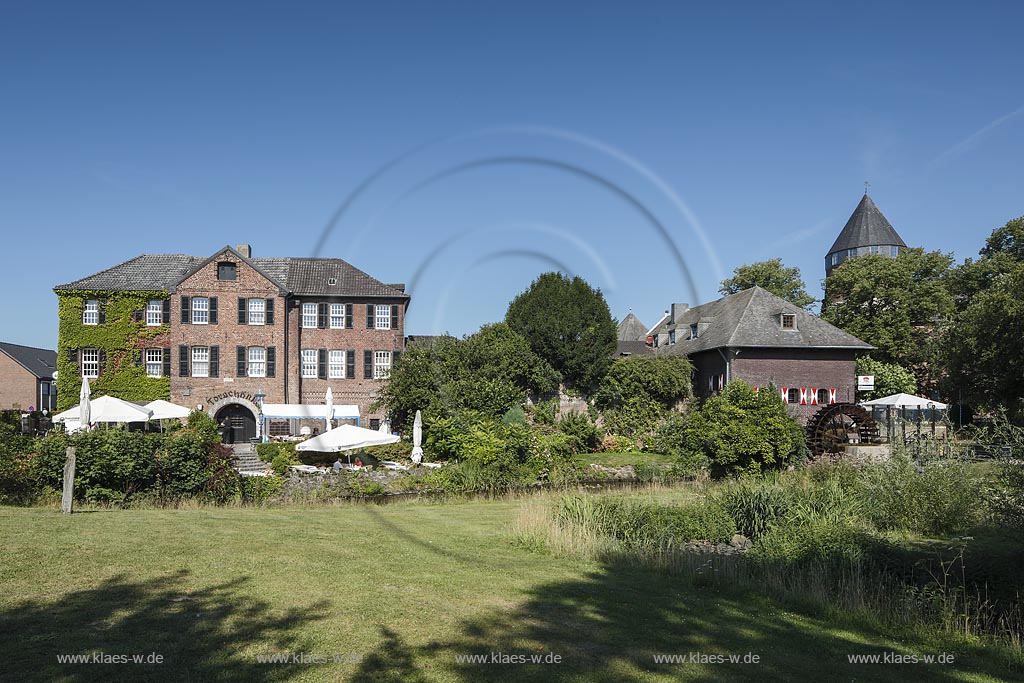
(834, 426)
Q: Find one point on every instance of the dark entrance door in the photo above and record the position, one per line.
(237, 424)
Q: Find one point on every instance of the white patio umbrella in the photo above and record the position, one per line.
(904, 400)
(165, 410)
(105, 409)
(345, 438)
(417, 438)
(84, 405)
(329, 400)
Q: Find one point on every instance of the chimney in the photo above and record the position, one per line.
(678, 310)
(245, 250)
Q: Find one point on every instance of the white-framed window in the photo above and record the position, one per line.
(835, 258)
(383, 318)
(155, 313)
(257, 362)
(154, 362)
(336, 365)
(257, 311)
(337, 316)
(200, 313)
(91, 363)
(91, 312)
(309, 363)
(200, 360)
(309, 315)
(381, 364)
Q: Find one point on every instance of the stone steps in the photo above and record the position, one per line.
(245, 459)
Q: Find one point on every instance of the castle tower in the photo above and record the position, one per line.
(867, 232)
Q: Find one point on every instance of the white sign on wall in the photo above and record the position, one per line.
(865, 382)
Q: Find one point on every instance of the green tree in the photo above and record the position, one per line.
(981, 347)
(488, 372)
(773, 276)
(741, 431)
(890, 378)
(893, 304)
(568, 324)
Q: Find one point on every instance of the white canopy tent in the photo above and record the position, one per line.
(905, 401)
(108, 409)
(305, 411)
(165, 410)
(345, 438)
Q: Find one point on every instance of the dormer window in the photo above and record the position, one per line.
(788, 321)
(671, 336)
(332, 281)
(693, 331)
(226, 270)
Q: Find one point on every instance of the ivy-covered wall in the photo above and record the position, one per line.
(122, 336)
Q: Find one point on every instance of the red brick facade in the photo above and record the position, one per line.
(283, 340)
(19, 388)
(833, 370)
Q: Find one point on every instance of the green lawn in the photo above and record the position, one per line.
(620, 459)
(408, 587)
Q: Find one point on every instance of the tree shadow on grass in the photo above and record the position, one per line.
(201, 634)
(610, 624)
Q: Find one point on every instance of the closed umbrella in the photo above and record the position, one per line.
(417, 438)
(84, 406)
(329, 400)
(385, 426)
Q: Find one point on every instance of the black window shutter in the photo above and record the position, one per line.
(270, 311)
(73, 355)
(137, 316)
(103, 360)
(167, 312)
(137, 356)
(321, 316)
(350, 363)
(183, 361)
(394, 317)
(213, 310)
(167, 362)
(271, 361)
(367, 364)
(186, 310)
(101, 315)
(348, 316)
(243, 310)
(214, 361)
(395, 355)
(369, 317)
(321, 370)
(240, 356)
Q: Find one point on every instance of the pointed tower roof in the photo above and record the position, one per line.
(866, 227)
(631, 329)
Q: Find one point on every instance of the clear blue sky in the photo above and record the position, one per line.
(521, 137)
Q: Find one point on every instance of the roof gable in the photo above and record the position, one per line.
(631, 329)
(40, 362)
(229, 250)
(866, 227)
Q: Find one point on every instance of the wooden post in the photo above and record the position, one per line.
(69, 482)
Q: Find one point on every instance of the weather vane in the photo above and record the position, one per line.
(866, 186)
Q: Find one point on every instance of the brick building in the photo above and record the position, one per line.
(763, 340)
(232, 332)
(26, 378)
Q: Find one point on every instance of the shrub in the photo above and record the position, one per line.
(545, 412)
(669, 439)
(400, 450)
(582, 429)
(942, 498)
(18, 484)
(742, 431)
(617, 444)
(259, 490)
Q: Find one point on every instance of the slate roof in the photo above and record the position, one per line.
(146, 272)
(40, 362)
(632, 348)
(631, 329)
(751, 319)
(866, 227)
(301, 276)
